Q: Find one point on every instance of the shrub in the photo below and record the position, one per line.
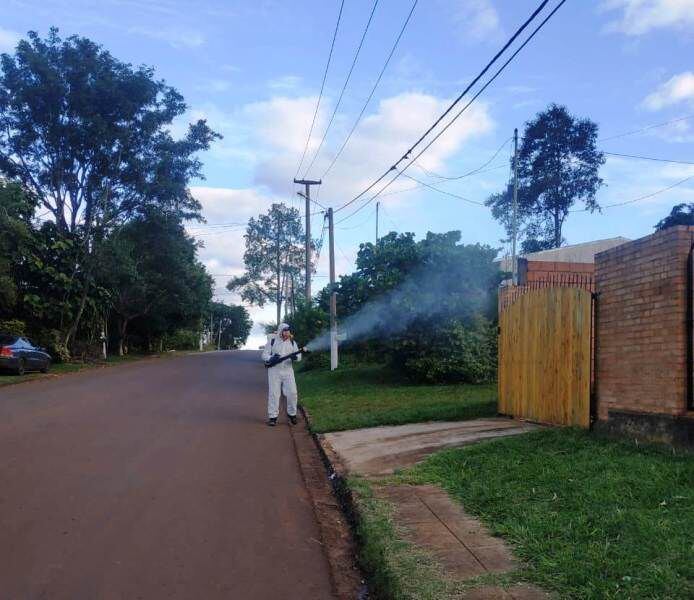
(455, 352)
(13, 327)
(182, 339)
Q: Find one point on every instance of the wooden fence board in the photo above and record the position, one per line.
(545, 356)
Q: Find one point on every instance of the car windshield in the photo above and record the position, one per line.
(7, 339)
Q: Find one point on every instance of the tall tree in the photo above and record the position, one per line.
(558, 166)
(88, 136)
(231, 325)
(681, 214)
(151, 272)
(274, 258)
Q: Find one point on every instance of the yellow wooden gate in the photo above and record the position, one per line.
(545, 356)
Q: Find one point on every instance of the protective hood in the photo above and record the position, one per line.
(280, 328)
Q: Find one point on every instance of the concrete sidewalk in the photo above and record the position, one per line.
(379, 451)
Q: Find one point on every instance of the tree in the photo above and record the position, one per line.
(88, 136)
(558, 165)
(274, 259)
(153, 278)
(16, 210)
(231, 325)
(681, 214)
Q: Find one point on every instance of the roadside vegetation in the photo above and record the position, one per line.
(590, 517)
(94, 204)
(372, 395)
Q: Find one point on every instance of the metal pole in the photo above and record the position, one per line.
(514, 222)
(333, 294)
(378, 204)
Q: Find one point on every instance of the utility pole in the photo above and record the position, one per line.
(279, 277)
(333, 293)
(378, 205)
(514, 222)
(307, 183)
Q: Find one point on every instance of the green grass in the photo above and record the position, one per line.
(367, 396)
(7, 378)
(592, 518)
(396, 568)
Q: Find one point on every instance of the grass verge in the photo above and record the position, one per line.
(368, 396)
(592, 518)
(7, 378)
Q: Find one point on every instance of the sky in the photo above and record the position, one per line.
(254, 70)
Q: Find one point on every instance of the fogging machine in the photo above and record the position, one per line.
(275, 359)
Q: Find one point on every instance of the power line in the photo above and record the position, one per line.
(473, 172)
(481, 74)
(440, 191)
(418, 186)
(663, 160)
(364, 222)
(643, 129)
(344, 87)
(373, 90)
(458, 114)
(322, 87)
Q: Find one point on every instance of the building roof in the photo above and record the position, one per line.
(576, 253)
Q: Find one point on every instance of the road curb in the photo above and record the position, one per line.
(342, 494)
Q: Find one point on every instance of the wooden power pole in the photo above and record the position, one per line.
(307, 196)
(333, 293)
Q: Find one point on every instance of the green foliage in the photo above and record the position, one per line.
(308, 322)
(558, 165)
(425, 306)
(681, 214)
(371, 395)
(232, 322)
(274, 259)
(52, 341)
(453, 352)
(182, 339)
(87, 137)
(13, 327)
(591, 518)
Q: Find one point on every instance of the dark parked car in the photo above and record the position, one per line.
(19, 355)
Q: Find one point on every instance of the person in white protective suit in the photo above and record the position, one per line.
(281, 376)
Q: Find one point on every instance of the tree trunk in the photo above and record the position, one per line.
(557, 229)
(75, 324)
(122, 328)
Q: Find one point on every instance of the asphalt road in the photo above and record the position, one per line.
(154, 480)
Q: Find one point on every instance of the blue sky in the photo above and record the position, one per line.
(254, 68)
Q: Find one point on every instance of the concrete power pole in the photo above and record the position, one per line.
(307, 183)
(378, 205)
(333, 293)
(514, 221)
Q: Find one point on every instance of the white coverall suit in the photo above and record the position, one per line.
(281, 376)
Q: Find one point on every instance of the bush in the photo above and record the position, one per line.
(454, 353)
(182, 339)
(52, 341)
(13, 327)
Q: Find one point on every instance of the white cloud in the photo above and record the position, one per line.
(8, 40)
(286, 82)
(176, 37)
(641, 16)
(679, 88)
(281, 126)
(478, 19)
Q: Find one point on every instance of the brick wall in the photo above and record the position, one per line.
(541, 270)
(641, 325)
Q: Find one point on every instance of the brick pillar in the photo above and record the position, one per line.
(642, 334)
